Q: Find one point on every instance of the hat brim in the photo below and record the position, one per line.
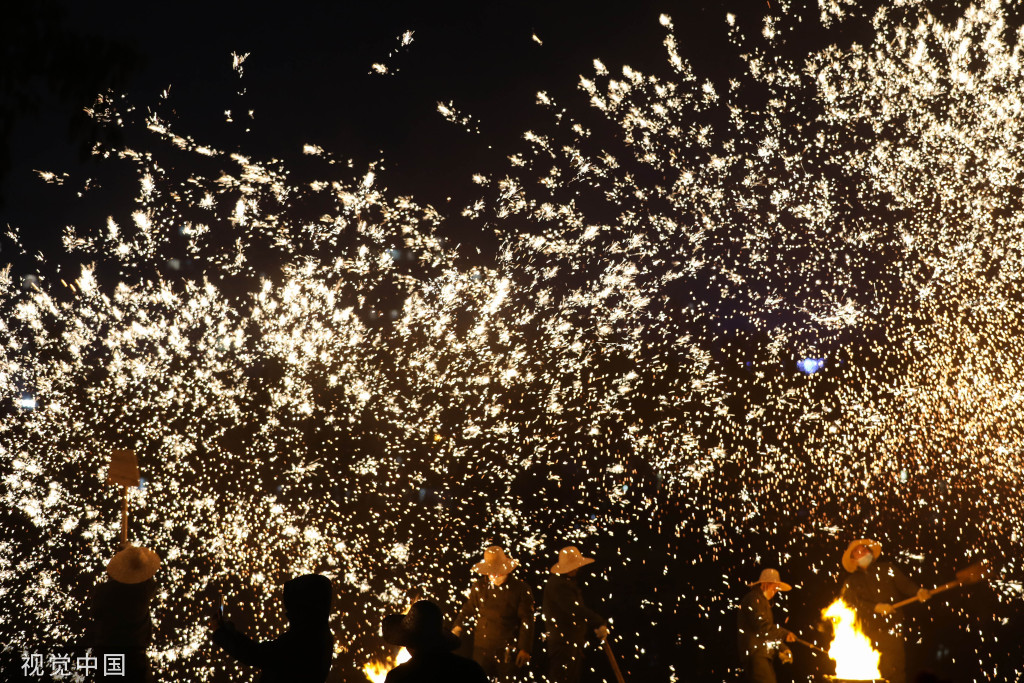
(783, 586)
(850, 564)
(495, 568)
(560, 568)
(394, 631)
(122, 569)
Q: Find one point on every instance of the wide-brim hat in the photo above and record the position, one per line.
(850, 564)
(495, 562)
(134, 564)
(771, 576)
(423, 628)
(569, 559)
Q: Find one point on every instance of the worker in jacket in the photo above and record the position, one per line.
(500, 610)
(567, 618)
(760, 639)
(122, 626)
(871, 589)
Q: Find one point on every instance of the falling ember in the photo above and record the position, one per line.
(850, 649)
(377, 670)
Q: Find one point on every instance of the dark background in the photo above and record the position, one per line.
(309, 80)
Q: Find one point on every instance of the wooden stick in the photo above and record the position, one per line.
(968, 575)
(810, 645)
(611, 659)
(933, 591)
(124, 518)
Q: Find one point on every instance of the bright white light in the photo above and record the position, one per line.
(809, 366)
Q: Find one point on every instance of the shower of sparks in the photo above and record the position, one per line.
(382, 68)
(237, 61)
(330, 387)
(453, 115)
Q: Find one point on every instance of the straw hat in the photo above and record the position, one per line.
(771, 576)
(495, 562)
(134, 564)
(570, 558)
(850, 564)
(422, 628)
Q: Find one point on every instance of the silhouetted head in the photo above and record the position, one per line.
(307, 600)
(421, 629)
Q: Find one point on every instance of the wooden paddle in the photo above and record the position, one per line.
(611, 659)
(811, 645)
(966, 576)
(124, 470)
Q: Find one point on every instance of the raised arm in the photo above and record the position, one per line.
(243, 648)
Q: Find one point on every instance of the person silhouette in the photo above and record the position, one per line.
(568, 618)
(303, 653)
(870, 588)
(122, 625)
(430, 645)
(500, 608)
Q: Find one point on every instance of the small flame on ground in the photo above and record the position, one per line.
(377, 670)
(851, 649)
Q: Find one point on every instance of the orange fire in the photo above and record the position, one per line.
(377, 670)
(850, 649)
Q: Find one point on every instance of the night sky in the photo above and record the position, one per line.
(309, 79)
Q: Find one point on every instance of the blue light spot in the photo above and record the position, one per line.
(809, 366)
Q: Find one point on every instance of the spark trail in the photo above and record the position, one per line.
(345, 394)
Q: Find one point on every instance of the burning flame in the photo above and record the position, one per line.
(850, 649)
(377, 670)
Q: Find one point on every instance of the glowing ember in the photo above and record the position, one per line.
(377, 670)
(850, 649)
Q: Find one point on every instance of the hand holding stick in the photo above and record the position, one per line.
(966, 576)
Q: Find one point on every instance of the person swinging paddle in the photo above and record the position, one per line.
(871, 589)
